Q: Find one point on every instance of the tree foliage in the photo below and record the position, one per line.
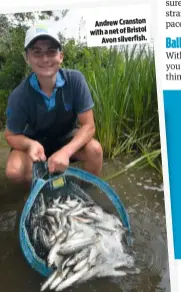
(13, 68)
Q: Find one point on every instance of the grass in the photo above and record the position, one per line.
(139, 162)
(3, 142)
(123, 86)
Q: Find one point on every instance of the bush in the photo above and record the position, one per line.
(3, 104)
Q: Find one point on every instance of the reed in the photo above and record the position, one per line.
(123, 85)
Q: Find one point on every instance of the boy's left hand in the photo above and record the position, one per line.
(58, 162)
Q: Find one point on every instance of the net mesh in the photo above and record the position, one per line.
(34, 220)
(53, 187)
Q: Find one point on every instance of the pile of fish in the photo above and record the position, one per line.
(79, 241)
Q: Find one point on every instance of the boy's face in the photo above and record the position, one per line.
(44, 57)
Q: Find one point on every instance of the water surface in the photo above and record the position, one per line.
(142, 194)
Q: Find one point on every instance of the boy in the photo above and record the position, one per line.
(43, 112)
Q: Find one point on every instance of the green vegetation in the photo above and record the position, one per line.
(123, 86)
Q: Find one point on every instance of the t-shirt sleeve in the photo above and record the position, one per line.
(82, 97)
(16, 116)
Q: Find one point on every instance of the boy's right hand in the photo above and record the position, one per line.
(36, 151)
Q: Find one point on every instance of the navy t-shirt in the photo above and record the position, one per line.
(28, 113)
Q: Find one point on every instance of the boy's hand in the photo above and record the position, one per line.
(36, 151)
(58, 162)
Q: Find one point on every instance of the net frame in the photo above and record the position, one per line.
(41, 177)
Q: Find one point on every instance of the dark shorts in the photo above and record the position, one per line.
(55, 144)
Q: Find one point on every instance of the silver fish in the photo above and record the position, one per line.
(92, 255)
(68, 199)
(57, 219)
(59, 278)
(104, 227)
(63, 220)
(82, 240)
(42, 204)
(35, 233)
(72, 203)
(75, 245)
(103, 270)
(96, 210)
(79, 257)
(71, 210)
(56, 201)
(65, 262)
(80, 265)
(50, 219)
(49, 280)
(80, 211)
(58, 261)
(44, 238)
(94, 216)
(72, 279)
(83, 220)
(58, 234)
(63, 206)
(70, 274)
(53, 253)
(51, 211)
(76, 235)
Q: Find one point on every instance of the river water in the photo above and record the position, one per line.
(141, 192)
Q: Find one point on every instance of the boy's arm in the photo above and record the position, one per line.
(20, 142)
(17, 141)
(83, 135)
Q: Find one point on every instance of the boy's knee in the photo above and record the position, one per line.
(97, 149)
(94, 148)
(14, 174)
